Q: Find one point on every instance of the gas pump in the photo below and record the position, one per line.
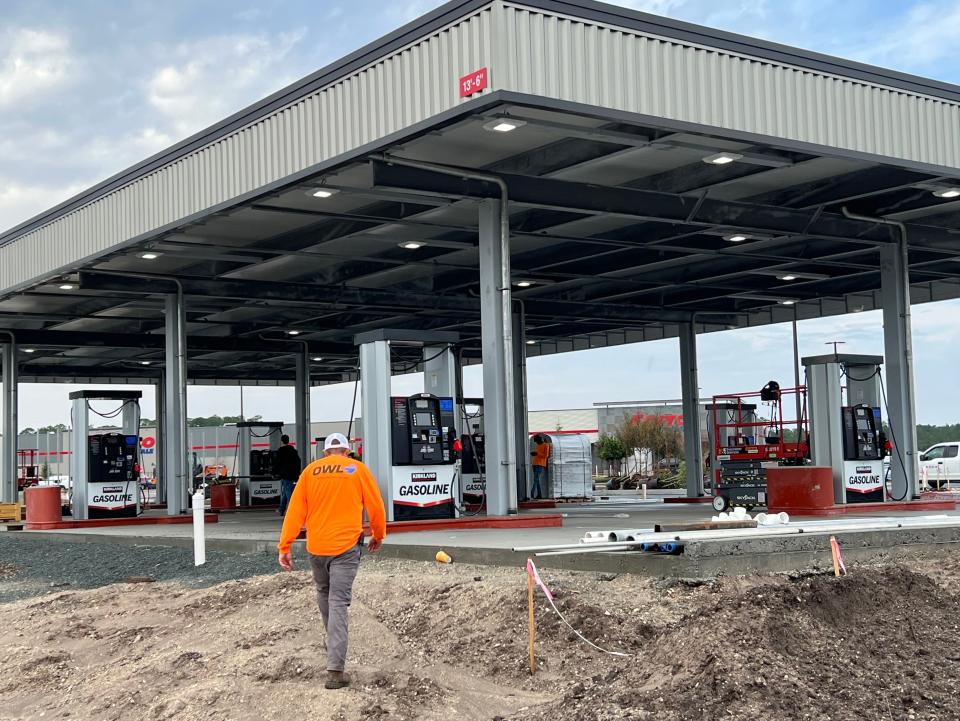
(473, 485)
(106, 466)
(257, 446)
(845, 423)
(409, 443)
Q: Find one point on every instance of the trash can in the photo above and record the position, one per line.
(43, 504)
(223, 496)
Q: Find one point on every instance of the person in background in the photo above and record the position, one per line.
(287, 466)
(329, 500)
(540, 455)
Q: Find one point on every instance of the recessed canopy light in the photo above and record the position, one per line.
(149, 256)
(293, 332)
(322, 192)
(145, 363)
(29, 350)
(67, 286)
(787, 302)
(412, 245)
(531, 342)
(736, 237)
(722, 158)
(503, 125)
(524, 283)
(316, 359)
(788, 276)
(947, 193)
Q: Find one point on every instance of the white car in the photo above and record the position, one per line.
(941, 463)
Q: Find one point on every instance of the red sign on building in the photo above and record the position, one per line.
(473, 83)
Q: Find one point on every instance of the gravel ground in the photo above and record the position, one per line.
(34, 566)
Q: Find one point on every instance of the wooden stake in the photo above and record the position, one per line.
(530, 619)
(833, 551)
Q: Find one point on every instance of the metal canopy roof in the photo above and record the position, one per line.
(620, 231)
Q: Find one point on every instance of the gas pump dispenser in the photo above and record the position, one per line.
(411, 443)
(845, 423)
(106, 466)
(257, 445)
(473, 485)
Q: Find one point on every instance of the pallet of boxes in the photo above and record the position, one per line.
(11, 513)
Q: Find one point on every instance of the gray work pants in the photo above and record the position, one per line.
(334, 577)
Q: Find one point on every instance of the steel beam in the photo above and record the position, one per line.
(302, 405)
(342, 297)
(8, 470)
(520, 415)
(176, 462)
(690, 390)
(898, 352)
(653, 205)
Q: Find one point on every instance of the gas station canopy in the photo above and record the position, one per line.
(658, 173)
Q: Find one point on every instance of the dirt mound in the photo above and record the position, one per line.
(433, 643)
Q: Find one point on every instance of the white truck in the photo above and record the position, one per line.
(940, 464)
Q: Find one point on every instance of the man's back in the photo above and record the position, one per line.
(287, 464)
(329, 500)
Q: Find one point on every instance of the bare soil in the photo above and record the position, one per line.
(450, 642)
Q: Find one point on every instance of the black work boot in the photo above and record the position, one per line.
(337, 679)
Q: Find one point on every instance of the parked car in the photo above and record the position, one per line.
(942, 464)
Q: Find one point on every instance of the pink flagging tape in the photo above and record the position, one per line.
(535, 575)
(836, 546)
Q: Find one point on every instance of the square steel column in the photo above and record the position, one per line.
(497, 350)
(8, 471)
(521, 426)
(826, 424)
(79, 465)
(159, 453)
(898, 353)
(176, 464)
(690, 389)
(375, 411)
(302, 405)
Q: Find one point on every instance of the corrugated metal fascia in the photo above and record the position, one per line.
(686, 78)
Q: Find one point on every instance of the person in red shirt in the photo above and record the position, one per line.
(329, 500)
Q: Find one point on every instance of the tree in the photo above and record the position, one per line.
(45, 472)
(611, 449)
(652, 434)
(55, 428)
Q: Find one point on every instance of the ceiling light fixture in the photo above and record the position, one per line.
(788, 276)
(149, 256)
(316, 359)
(736, 238)
(145, 363)
(722, 158)
(524, 283)
(411, 245)
(29, 350)
(293, 332)
(67, 286)
(503, 125)
(531, 342)
(322, 192)
(947, 193)
(787, 302)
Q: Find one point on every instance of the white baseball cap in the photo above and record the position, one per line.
(336, 440)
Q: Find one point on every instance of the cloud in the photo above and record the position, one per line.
(217, 76)
(32, 63)
(925, 34)
(20, 201)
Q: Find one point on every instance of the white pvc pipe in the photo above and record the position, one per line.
(199, 540)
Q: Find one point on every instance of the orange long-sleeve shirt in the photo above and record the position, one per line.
(329, 500)
(541, 454)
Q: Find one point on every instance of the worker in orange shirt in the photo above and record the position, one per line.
(540, 455)
(329, 501)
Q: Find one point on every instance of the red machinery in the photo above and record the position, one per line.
(741, 441)
(28, 467)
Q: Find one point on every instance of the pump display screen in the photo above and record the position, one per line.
(863, 425)
(421, 419)
(421, 404)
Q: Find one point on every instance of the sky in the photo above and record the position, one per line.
(89, 87)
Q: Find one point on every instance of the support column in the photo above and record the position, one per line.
(8, 471)
(302, 405)
(521, 427)
(161, 450)
(690, 389)
(176, 466)
(375, 411)
(498, 390)
(898, 355)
